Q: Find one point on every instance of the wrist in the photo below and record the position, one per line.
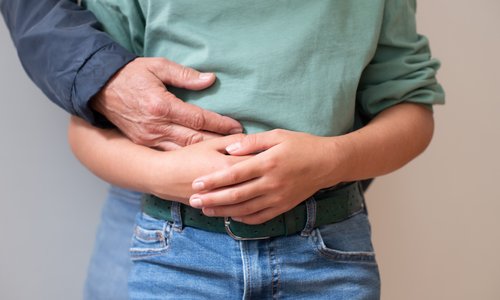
(154, 173)
(116, 57)
(163, 179)
(340, 160)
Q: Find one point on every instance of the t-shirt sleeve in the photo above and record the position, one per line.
(402, 69)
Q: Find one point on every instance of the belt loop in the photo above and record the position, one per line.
(311, 216)
(175, 211)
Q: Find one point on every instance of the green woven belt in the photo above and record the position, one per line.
(332, 205)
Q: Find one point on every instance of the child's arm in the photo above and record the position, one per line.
(294, 165)
(114, 158)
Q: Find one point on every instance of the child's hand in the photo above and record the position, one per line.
(172, 172)
(291, 167)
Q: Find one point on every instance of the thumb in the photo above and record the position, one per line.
(254, 143)
(171, 73)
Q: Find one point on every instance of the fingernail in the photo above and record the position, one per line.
(236, 219)
(208, 211)
(236, 131)
(198, 185)
(233, 147)
(196, 202)
(205, 76)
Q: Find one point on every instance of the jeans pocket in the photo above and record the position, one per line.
(346, 241)
(151, 237)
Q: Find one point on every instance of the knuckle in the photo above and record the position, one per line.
(144, 141)
(136, 139)
(251, 208)
(166, 130)
(154, 63)
(145, 137)
(235, 195)
(277, 199)
(216, 212)
(160, 62)
(158, 108)
(155, 131)
(152, 129)
(193, 139)
(278, 132)
(271, 186)
(269, 163)
(234, 177)
(185, 73)
(198, 121)
(250, 140)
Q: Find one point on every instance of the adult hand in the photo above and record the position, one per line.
(290, 167)
(136, 100)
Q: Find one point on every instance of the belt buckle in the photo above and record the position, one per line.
(227, 226)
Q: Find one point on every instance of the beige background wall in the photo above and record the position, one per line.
(436, 222)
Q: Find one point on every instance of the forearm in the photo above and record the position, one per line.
(117, 160)
(392, 139)
(112, 157)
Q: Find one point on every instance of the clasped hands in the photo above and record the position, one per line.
(264, 175)
(280, 169)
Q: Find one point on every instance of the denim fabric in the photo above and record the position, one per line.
(335, 261)
(110, 262)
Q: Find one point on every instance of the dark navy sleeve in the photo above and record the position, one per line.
(64, 51)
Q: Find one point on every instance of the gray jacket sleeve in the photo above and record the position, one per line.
(64, 51)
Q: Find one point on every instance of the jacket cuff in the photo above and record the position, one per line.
(93, 76)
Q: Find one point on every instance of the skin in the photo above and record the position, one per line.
(291, 166)
(265, 174)
(168, 174)
(138, 102)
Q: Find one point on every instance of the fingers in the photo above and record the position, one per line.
(186, 114)
(220, 143)
(252, 212)
(228, 196)
(177, 75)
(259, 217)
(183, 137)
(180, 135)
(194, 117)
(239, 210)
(238, 173)
(254, 143)
(136, 101)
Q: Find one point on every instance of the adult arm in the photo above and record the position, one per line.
(63, 50)
(114, 158)
(81, 69)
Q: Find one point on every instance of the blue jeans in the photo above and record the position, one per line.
(335, 261)
(110, 263)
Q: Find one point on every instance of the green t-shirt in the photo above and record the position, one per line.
(292, 64)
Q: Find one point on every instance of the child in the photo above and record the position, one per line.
(281, 216)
